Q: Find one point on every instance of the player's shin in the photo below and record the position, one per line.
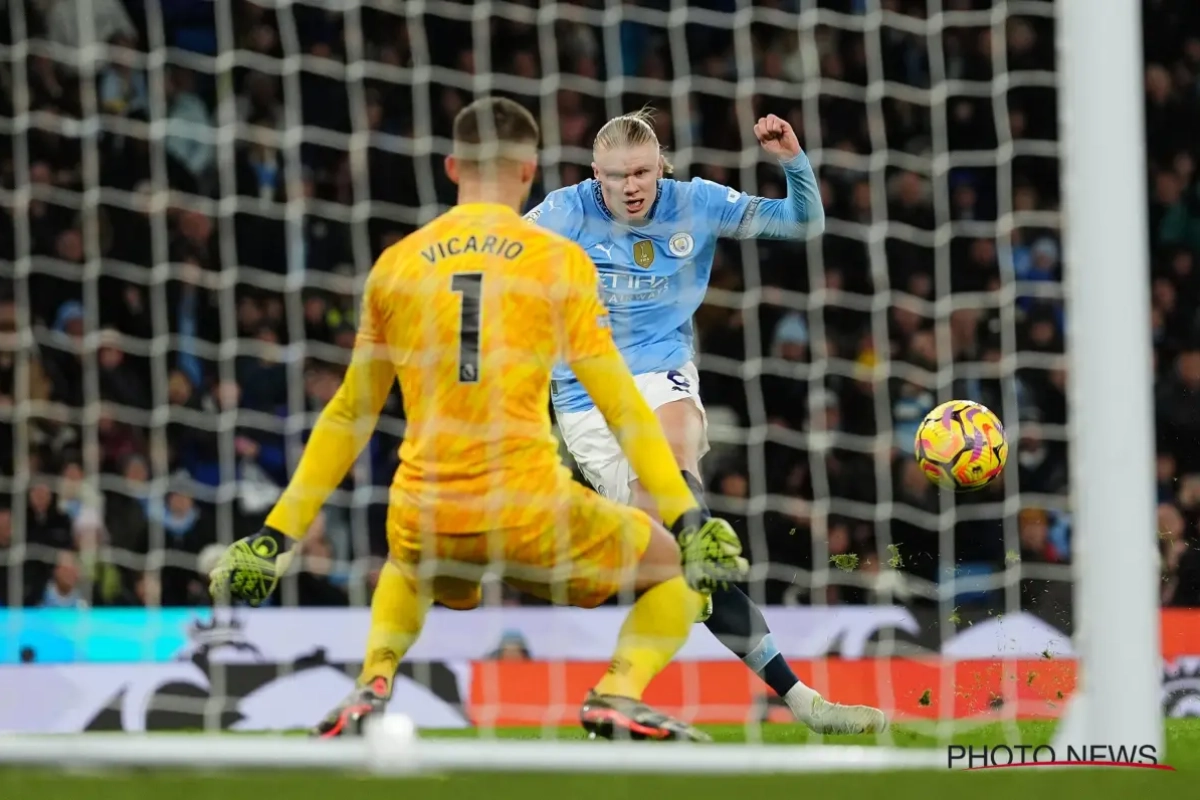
(657, 626)
(739, 625)
(397, 615)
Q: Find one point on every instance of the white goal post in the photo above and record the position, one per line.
(877, 93)
(1111, 380)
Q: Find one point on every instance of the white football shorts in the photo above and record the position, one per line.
(596, 450)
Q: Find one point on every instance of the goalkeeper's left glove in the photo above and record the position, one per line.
(250, 569)
(711, 551)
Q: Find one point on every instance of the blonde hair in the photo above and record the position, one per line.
(631, 130)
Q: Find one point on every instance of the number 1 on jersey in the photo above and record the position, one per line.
(470, 286)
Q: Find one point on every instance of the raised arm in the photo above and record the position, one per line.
(558, 212)
(800, 215)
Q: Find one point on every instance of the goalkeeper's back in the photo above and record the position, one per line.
(475, 309)
(472, 312)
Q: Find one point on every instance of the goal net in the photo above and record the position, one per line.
(197, 189)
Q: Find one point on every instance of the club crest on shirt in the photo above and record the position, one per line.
(643, 253)
(681, 244)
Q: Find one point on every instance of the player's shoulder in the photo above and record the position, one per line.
(546, 234)
(412, 254)
(557, 203)
(401, 251)
(702, 190)
(564, 210)
(393, 256)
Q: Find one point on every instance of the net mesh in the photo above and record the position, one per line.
(197, 189)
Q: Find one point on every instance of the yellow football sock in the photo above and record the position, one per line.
(397, 615)
(657, 626)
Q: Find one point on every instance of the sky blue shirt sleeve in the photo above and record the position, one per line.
(559, 212)
(800, 215)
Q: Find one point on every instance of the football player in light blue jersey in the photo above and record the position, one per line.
(653, 240)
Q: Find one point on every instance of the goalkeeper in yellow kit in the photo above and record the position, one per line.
(472, 312)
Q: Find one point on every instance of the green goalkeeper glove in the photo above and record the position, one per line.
(250, 569)
(712, 552)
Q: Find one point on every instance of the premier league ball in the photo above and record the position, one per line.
(960, 445)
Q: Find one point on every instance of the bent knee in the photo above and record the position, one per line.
(456, 594)
(593, 599)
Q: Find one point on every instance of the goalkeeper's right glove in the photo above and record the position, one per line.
(711, 551)
(250, 569)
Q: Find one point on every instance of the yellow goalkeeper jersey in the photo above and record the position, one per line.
(471, 312)
(475, 310)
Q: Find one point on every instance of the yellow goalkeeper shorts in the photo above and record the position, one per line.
(584, 556)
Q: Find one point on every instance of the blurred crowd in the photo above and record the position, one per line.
(184, 341)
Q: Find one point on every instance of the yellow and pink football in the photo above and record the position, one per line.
(960, 445)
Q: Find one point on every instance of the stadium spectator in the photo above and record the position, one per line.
(219, 329)
(187, 529)
(512, 647)
(62, 589)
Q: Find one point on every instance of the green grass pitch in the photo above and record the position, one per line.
(1183, 753)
